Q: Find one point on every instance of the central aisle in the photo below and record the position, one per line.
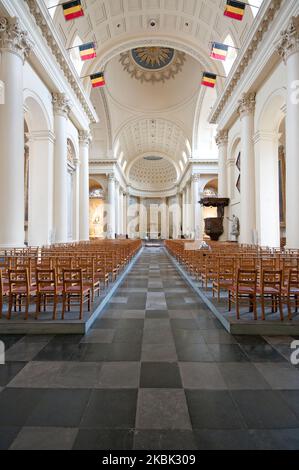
(157, 371)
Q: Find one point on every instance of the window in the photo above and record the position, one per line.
(75, 55)
(253, 4)
(232, 54)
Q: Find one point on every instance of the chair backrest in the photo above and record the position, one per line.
(72, 278)
(293, 280)
(46, 278)
(271, 279)
(247, 278)
(18, 278)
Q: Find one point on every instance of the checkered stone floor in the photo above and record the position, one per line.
(157, 371)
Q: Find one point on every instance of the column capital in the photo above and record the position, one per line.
(195, 177)
(85, 137)
(13, 38)
(221, 137)
(111, 177)
(61, 104)
(288, 42)
(246, 105)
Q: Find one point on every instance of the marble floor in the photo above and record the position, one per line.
(157, 371)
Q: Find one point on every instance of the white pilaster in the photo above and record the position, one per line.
(61, 108)
(288, 48)
(111, 207)
(195, 207)
(14, 48)
(247, 213)
(84, 142)
(188, 207)
(222, 142)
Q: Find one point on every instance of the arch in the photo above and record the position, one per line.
(157, 154)
(271, 113)
(232, 53)
(37, 116)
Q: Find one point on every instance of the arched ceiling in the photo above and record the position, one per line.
(152, 173)
(138, 113)
(152, 136)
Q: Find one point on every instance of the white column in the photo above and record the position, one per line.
(222, 142)
(188, 198)
(177, 217)
(128, 211)
(163, 212)
(111, 207)
(121, 212)
(77, 195)
(40, 202)
(195, 207)
(247, 213)
(184, 211)
(267, 188)
(288, 48)
(14, 48)
(61, 110)
(84, 142)
(117, 200)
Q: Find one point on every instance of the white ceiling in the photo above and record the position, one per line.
(143, 117)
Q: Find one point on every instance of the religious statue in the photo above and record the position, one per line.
(235, 232)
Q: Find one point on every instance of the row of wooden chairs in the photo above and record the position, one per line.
(70, 275)
(244, 273)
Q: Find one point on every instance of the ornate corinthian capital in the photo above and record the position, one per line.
(221, 138)
(84, 137)
(288, 42)
(61, 104)
(246, 104)
(13, 38)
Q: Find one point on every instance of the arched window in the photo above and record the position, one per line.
(255, 3)
(232, 54)
(52, 3)
(75, 55)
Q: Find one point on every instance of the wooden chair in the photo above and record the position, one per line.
(290, 292)
(270, 289)
(244, 289)
(225, 277)
(20, 290)
(75, 290)
(47, 287)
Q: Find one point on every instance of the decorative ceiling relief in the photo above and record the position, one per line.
(152, 174)
(153, 64)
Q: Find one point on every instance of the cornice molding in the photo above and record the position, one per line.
(13, 38)
(48, 35)
(245, 58)
(288, 42)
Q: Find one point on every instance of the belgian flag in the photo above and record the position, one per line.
(235, 9)
(87, 51)
(209, 79)
(219, 51)
(72, 10)
(97, 80)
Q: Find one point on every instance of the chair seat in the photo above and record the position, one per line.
(268, 291)
(23, 290)
(293, 291)
(77, 289)
(243, 290)
(50, 289)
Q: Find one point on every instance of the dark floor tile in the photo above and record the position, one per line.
(66, 339)
(128, 335)
(17, 404)
(98, 439)
(194, 352)
(264, 409)
(106, 323)
(9, 370)
(160, 375)
(250, 340)
(164, 440)
(137, 323)
(7, 436)
(10, 340)
(227, 439)
(58, 351)
(227, 353)
(184, 324)
(262, 353)
(276, 439)
(111, 409)
(213, 409)
(59, 408)
(157, 314)
(124, 352)
(291, 397)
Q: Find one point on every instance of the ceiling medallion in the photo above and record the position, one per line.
(152, 64)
